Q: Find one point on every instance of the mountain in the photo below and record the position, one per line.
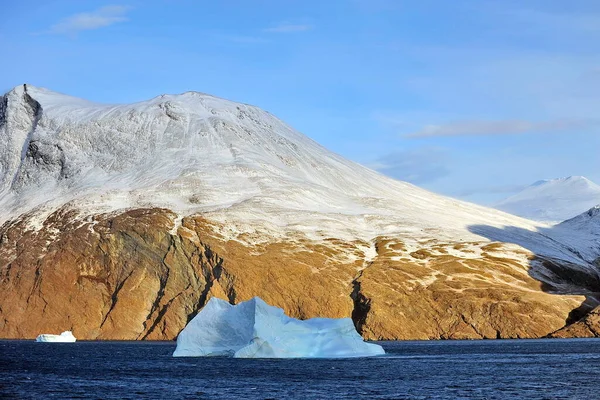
(553, 200)
(122, 221)
(587, 222)
(584, 228)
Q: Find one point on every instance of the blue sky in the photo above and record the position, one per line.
(470, 98)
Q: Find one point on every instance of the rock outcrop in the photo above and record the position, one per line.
(586, 327)
(143, 274)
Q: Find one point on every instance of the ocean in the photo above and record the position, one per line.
(495, 369)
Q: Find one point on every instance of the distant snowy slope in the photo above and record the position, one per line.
(587, 222)
(583, 232)
(553, 200)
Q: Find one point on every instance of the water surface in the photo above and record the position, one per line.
(499, 369)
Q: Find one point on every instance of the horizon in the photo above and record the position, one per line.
(378, 85)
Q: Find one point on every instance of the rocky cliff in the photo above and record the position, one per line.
(587, 326)
(138, 275)
(121, 221)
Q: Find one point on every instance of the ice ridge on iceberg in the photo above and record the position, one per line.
(254, 329)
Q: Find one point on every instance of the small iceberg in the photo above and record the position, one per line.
(254, 329)
(65, 337)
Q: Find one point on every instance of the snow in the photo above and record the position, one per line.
(254, 329)
(583, 233)
(588, 222)
(65, 337)
(235, 164)
(553, 200)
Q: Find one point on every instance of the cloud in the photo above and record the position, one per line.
(288, 28)
(99, 18)
(416, 166)
(499, 127)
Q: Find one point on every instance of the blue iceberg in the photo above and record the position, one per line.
(254, 329)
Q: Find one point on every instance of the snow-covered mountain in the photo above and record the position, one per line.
(583, 231)
(195, 153)
(141, 212)
(553, 200)
(587, 222)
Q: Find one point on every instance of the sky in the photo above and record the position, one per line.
(475, 99)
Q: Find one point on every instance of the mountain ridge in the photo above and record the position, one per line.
(122, 221)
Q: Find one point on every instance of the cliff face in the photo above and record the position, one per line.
(143, 274)
(587, 326)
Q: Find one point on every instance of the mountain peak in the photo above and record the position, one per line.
(567, 179)
(576, 179)
(553, 200)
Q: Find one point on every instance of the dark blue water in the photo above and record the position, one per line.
(529, 369)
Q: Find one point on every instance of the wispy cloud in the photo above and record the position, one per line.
(482, 128)
(288, 28)
(417, 166)
(100, 18)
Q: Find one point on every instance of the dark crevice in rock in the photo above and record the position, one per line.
(162, 313)
(196, 309)
(115, 297)
(45, 304)
(470, 324)
(592, 329)
(580, 316)
(582, 311)
(211, 274)
(230, 291)
(155, 305)
(3, 109)
(362, 305)
(36, 282)
(163, 279)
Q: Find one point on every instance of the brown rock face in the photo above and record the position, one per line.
(448, 297)
(138, 275)
(586, 327)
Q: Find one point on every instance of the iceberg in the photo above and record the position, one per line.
(254, 329)
(65, 337)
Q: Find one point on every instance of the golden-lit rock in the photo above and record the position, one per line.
(144, 273)
(586, 327)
